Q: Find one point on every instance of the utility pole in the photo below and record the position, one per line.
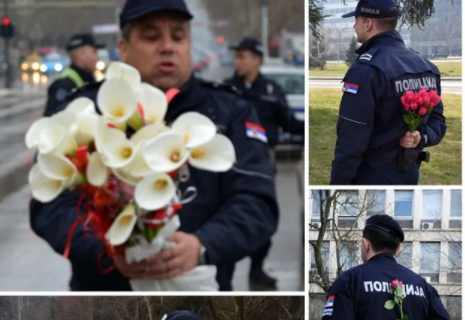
(265, 27)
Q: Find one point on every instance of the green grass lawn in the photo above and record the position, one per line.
(445, 167)
(333, 69)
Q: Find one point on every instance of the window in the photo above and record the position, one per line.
(432, 205)
(316, 203)
(455, 262)
(376, 202)
(429, 263)
(405, 255)
(456, 204)
(403, 204)
(324, 256)
(348, 204)
(349, 257)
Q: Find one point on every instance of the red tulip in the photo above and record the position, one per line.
(426, 100)
(423, 92)
(406, 105)
(413, 106)
(422, 111)
(419, 100)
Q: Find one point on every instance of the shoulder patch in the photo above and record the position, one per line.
(255, 131)
(328, 311)
(367, 56)
(350, 88)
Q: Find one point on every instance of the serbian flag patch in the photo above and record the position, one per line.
(330, 302)
(255, 131)
(350, 88)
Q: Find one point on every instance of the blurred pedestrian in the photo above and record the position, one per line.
(82, 49)
(269, 100)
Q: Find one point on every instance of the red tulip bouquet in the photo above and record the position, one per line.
(418, 105)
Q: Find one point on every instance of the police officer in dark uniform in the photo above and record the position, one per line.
(361, 292)
(373, 145)
(234, 214)
(269, 100)
(82, 50)
(267, 96)
(182, 315)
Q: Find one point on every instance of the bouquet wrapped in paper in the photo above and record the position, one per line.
(128, 164)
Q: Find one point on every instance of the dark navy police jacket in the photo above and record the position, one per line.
(270, 102)
(361, 292)
(233, 216)
(370, 123)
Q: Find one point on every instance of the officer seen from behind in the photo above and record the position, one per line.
(234, 213)
(373, 145)
(82, 50)
(360, 293)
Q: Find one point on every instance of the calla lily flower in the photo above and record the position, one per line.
(153, 102)
(116, 100)
(86, 116)
(217, 155)
(56, 139)
(194, 128)
(148, 133)
(125, 176)
(123, 71)
(165, 153)
(117, 150)
(97, 173)
(122, 227)
(43, 188)
(57, 168)
(155, 191)
(33, 134)
(138, 167)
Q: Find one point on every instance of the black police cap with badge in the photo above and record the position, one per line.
(182, 315)
(82, 39)
(249, 43)
(385, 223)
(134, 9)
(377, 9)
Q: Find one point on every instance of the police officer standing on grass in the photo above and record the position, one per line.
(182, 315)
(373, 145)
(360, 293)
(82, 50)
(269, 100)
(234, 214)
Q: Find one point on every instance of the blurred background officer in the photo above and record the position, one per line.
(373, 145)
(82, 50)
(234, 214)
(182, 315)
(269, 100)
(361, 292)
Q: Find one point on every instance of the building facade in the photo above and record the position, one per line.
(432, 223)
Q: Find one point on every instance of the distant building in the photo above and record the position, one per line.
(432, 222)
(441, 36)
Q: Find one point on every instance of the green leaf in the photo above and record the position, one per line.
(399, 291)
(390, 304)
(404, 317)
(397, 299)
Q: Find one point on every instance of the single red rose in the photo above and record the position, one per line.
(395, 283)
(422, 111)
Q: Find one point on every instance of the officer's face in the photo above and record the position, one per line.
(361, 29)
(160, 48)
(246, 62)
(86, 57)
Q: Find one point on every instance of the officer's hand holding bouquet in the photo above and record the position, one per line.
(417, 106)
(128, 165)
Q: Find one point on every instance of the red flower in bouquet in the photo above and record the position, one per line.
(417, 105)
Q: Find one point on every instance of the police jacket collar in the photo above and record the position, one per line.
(87, 77)
(189, 96)
(388, 37)
(382, 256)
(238, 79)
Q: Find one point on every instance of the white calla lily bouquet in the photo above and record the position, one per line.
(130, 185)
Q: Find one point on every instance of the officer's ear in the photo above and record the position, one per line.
(370, 25)
(123, 46)
(366, 244)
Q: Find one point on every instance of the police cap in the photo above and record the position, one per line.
(249, 43)
(385, 223)
(82, 39)
(376, 9)
(134, 9)
(182, 315)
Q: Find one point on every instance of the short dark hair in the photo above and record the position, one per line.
(384, 24)
(126, 32)
(380, 240)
